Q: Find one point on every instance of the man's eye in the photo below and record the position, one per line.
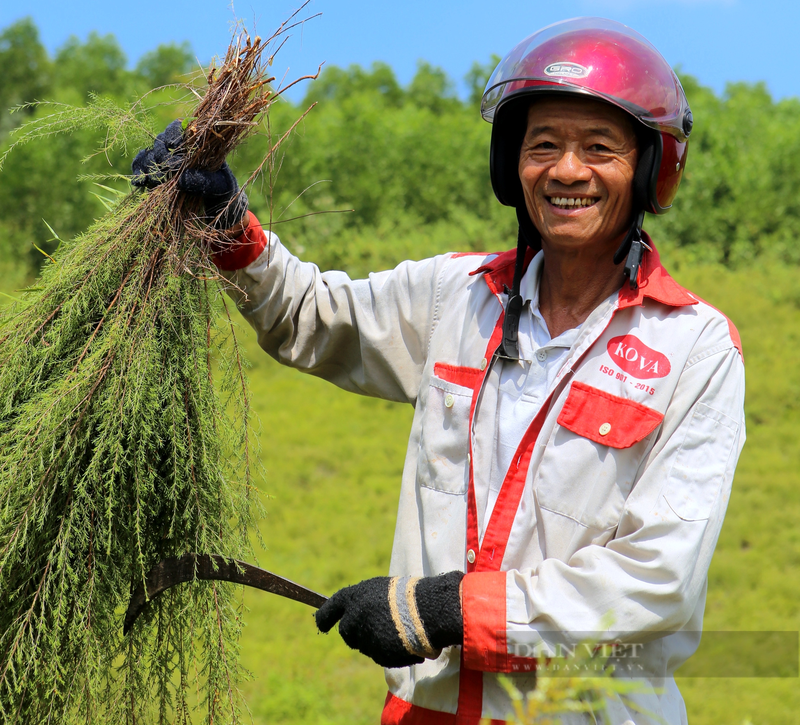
(599, 148)
(545, 146)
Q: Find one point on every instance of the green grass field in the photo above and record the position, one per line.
(333, 462)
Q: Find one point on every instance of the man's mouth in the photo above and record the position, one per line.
(581, 202)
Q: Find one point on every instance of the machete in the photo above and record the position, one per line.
(186, 568)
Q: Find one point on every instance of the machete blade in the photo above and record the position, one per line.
(180, 569)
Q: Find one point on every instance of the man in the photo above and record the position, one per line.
(577, 420)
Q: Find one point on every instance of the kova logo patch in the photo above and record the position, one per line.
(637, 359)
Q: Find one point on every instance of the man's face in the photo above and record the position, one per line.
(576, 165)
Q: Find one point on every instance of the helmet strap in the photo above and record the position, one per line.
(527, 236)
(633, 247)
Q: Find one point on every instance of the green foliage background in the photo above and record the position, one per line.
(411, 162)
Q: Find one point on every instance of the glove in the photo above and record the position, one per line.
(219, 189)
(155, 165)
(398, 621)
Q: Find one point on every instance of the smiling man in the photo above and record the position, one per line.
(578, 415)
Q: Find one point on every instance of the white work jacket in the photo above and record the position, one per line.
(608, 516)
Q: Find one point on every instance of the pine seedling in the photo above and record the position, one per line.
(118, 448)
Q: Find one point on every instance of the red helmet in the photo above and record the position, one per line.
(606, 60)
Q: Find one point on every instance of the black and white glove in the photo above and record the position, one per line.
(219, 189)
(398, 621)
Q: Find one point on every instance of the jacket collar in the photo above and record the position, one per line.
(655, 282)
(499, 271)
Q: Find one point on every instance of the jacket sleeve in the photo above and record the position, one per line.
(650, 577)
(368, 336)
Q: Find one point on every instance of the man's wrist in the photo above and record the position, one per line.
(244, 248)
(439, 605)
(238, 229)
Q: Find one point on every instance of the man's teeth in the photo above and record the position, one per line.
(564, 203)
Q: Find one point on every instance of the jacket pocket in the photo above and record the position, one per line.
(607, 419)
(699, 469)
(590, 462)
(444, 439)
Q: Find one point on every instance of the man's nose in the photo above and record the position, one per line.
(570, 169)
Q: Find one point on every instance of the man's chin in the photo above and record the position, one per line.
(576, 241)
(568, 237)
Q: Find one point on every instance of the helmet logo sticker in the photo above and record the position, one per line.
(566, 69)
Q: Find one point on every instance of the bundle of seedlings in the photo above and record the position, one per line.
(118, 448)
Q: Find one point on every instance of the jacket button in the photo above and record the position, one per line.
(471, 556)
(449, 400)
(605, 428)
(483, 364)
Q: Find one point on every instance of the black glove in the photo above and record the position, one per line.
(219, 189)
(398, 621)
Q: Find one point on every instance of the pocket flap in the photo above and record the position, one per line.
(607, 419)
(458, 375)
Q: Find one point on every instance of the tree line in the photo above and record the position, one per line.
(378, 171)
